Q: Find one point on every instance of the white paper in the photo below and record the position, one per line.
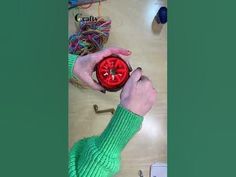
(159, 170)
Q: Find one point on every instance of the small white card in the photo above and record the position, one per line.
(159, 170)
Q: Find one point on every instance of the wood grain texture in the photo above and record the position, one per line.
(132, 29)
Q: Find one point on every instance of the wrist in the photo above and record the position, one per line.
(71, 63)
(132, 108)
(75, 69)
(76, 78)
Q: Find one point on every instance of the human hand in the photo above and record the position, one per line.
(138, 94)
(84, 66)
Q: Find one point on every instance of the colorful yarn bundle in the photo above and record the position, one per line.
(91, 37)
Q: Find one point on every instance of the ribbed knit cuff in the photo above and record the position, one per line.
(71, 63)
(122, 127)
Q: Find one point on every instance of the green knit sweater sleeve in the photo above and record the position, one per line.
(99, 156)
(71, 63)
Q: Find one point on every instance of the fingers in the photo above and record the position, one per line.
(93, 84)
(117, 51)
(133, 79)
(147, 84)
(144, 79)
(111, 51)
(136, 75)
(154, 95)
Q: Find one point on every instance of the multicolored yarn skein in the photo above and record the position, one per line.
(91, 37)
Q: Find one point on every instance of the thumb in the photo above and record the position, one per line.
(93, 84)
(133, 79)
(136, 75)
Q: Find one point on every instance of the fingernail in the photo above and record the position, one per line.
(139, 68)
(103, 91)
(129, 52)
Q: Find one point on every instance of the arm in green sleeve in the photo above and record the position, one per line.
(99, 156)
(71, 63)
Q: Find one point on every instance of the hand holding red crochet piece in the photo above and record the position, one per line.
(85, 65)
(138, 94)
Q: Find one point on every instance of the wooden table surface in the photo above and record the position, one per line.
(132, 28)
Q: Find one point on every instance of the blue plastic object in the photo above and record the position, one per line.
(161, 16)
(73, 2)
